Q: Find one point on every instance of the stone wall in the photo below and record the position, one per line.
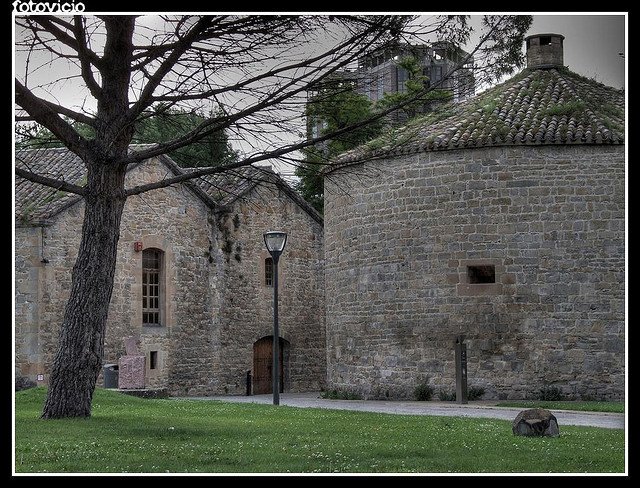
(246, 314)
(27, 267)
(60, 244)
(175, 221)
(400, 234)
(171, 219)
(545, 55)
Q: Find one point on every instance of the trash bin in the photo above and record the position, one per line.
(110, 375)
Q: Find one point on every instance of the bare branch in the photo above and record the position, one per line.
(50, 182)
(156, 78)
(48, 23)
(268, 74)
(207, 127)
(189, 65)
(42, 113)
(72, 114)
(85, 56)
(282, 94)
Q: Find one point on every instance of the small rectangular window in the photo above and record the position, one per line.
(380, 86)
(268, 272)
(545, 40)
(481, 274)
(315, 131)
(153, 360)
(402, 77)
(436, 74)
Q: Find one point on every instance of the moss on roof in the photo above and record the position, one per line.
(535, 107)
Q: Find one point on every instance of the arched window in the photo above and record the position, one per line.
(268, 272)
(152, 287)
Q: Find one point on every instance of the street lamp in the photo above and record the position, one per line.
(275, 242)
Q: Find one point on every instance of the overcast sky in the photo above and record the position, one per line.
(591, 44)
(591, 48)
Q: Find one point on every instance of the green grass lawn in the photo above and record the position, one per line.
(613, 407)
(127, 434)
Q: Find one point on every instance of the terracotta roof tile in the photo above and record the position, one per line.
(225, 188)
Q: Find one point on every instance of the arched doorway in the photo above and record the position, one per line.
(263, 365)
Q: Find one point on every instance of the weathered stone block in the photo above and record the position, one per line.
(131, 372)
(536, 422)
(131, 346)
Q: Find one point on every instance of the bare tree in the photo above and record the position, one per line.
(254, 69)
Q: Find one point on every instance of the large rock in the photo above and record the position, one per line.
(536, 422)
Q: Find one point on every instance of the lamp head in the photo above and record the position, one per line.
(275, 241)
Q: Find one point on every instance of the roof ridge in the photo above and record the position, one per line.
(29, 149)
(536, 106)
(226, 188)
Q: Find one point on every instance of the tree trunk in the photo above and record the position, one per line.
(78, 360)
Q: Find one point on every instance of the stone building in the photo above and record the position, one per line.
(501, 219)
(193, 280)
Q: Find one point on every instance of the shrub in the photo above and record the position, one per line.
(423, 392)
(551, 394)
(340, 395)
(446, 396)
(475, 393)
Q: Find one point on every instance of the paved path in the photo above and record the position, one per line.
(476, 409)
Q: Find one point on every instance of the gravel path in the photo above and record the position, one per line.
(476, 409)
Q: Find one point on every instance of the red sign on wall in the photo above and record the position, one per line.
(137, 246)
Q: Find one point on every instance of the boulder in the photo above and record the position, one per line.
(536, 422)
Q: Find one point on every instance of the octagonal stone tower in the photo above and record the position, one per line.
(502, 219)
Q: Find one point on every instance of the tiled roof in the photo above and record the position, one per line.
(35, 203)
(538, 106)
(225, 188)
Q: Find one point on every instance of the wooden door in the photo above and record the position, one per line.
(263, 366)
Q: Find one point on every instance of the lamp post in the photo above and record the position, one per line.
(275, 242)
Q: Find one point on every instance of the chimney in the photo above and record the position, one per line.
(544, 51)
